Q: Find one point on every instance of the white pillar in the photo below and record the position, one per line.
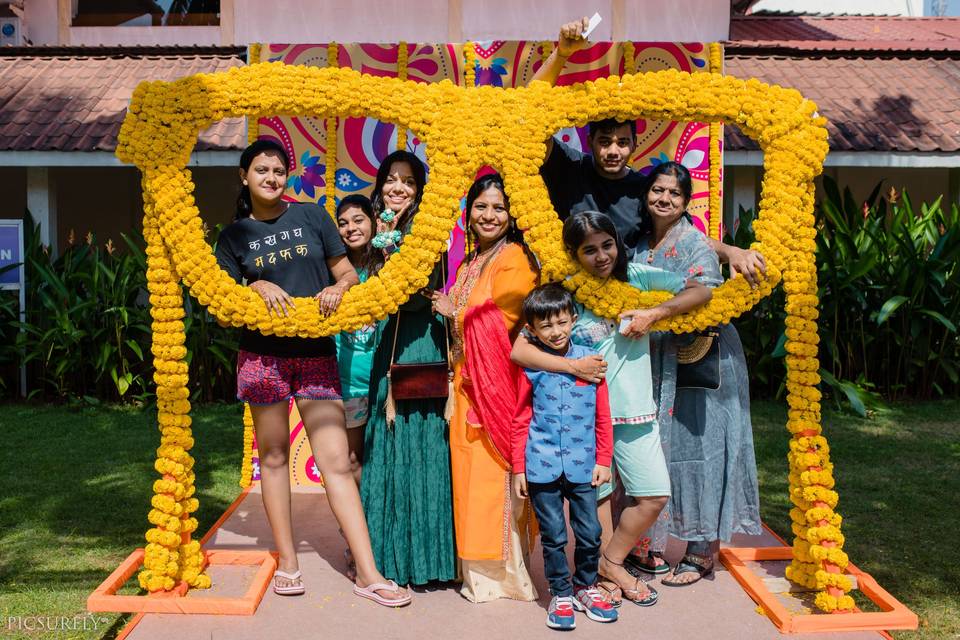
(42, 204)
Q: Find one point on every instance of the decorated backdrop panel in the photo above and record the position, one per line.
(362, 143)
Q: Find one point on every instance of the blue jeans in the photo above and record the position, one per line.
(547, 499)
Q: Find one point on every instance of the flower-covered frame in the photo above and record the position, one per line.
(465, 129)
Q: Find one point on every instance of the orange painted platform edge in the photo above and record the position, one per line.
(226, 514)
(104, 597)
(895, 615)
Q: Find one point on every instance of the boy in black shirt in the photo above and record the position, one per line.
(603, 181)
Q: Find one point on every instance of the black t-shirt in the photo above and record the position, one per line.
(291, 251)
(575, 185)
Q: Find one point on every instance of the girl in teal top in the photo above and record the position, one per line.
(592, 239)
(355, 349)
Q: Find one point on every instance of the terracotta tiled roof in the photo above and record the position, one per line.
(77, 102)
(844, 33)
(872, 104)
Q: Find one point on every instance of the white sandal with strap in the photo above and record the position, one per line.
(294, 589)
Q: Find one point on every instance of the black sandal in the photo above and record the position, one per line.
(701, 565)
(647, 565)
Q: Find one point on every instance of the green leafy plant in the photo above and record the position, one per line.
(889, 285)
(87, 331)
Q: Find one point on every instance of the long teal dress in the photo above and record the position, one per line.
(405, 487)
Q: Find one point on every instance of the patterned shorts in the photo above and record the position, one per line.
(263, 380)
(356, 410)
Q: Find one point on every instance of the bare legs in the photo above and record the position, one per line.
(355, 443)
(617, 543)
(323, 421)
(273, 441)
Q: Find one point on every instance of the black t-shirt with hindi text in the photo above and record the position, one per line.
(575, 185)
(291, 251)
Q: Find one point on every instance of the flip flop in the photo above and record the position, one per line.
(370, 592)
(295, 589)
(647, 601)
(610, 591)
(690, 564)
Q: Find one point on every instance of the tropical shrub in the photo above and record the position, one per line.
(87, 328)
(889, 281)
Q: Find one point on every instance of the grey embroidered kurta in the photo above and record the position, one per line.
(707, 435)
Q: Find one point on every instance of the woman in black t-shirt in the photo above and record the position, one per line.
(285, 250)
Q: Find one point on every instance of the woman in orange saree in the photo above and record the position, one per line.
(493, 529)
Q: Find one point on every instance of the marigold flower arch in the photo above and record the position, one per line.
(464, 129)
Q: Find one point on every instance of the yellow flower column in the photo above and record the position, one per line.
(330, 173)
(403, 56)
(171, 557)
(713, 156)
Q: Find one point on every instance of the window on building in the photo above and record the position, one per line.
(145, 13)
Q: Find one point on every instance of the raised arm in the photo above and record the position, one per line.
(569, 42)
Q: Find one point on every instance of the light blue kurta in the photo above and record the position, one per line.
(707, 435)
(628, 376)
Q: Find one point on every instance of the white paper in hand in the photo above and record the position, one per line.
(594, 21)
(625, 325)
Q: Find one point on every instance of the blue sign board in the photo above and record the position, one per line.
(11, 253)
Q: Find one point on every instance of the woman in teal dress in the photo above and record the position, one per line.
(405, 486)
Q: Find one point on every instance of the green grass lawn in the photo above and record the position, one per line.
(898, 476)
(77, 485)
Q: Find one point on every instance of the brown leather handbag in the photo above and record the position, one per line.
(419, 380)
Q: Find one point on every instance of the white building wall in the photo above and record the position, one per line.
(311, 21)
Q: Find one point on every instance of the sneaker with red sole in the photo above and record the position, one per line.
(589, 600)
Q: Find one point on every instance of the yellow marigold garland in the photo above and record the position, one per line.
(246, 467)
(716, 184)
(629, 57)
(330, 170)
(469, 65)
(402, 57)
(463, 130)
(715, 158)
(170, 555)
(253, 123)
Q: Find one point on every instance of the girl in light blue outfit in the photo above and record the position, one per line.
(639, 464)
(707, 434)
